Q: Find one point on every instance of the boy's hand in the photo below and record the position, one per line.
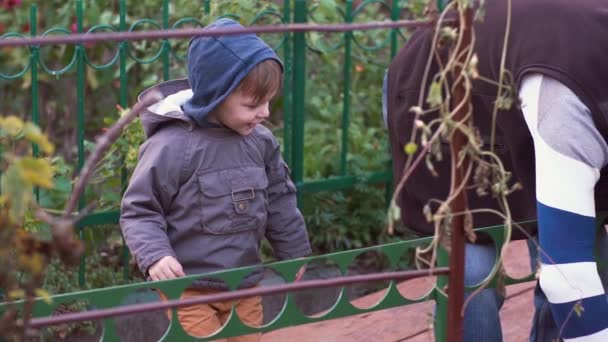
(300, 273)
(166, 268)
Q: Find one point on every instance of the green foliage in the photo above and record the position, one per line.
(104, 268)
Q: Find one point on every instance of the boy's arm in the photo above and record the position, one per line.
(286, 230)
(153, 184)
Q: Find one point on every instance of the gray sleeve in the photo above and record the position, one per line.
(286, 230)
(153, 184)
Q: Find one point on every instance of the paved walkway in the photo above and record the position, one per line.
(411, 323)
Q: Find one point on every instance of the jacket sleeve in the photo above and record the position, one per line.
(147, 199)
(286, 230)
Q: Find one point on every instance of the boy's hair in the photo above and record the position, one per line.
(263, 81)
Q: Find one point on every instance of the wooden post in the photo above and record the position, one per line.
(459, 140)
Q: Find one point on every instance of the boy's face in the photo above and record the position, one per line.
(240, 112)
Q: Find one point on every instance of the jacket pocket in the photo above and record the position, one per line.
(233, 200)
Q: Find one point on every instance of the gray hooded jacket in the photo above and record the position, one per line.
(207, 196)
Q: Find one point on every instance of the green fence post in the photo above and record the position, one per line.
(166, 46)
(348, 36)
(441, 300)
(299, 80)
(35, 53)
(124, 103)
(287, 88)
(80, 88)
(122, 27)
(440, 4)
(395, 10)
(394, 32)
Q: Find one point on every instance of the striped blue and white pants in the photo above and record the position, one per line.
(569, 153)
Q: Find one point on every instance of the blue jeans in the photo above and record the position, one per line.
(544, 328)
(481, 320)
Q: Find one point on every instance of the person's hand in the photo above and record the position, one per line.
(300, 273)
(165, 268)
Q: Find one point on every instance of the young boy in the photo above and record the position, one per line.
(210, 182)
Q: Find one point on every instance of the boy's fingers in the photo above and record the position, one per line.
(166, 268)
(176, 268)
(157, 275)
(168, 273)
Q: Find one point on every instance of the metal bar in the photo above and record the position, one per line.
(441, 4)
(299, 85)
(35, 55)
(441, 300)
(343, 182)
(166, 46)
(395, 10)
(122, 26)
(233, 295)
(459, 141)
(93, 37)
(287, 89)
(124, 103)
(208, 6)
(394, 32)
(346, 88)
(80, 96)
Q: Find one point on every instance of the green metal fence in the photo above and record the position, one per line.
(290, 311)
(293, 47)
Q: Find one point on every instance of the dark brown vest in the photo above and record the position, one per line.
(565, 39)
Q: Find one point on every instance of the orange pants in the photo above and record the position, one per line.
(205, 319)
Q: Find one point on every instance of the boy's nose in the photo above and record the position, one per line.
(264, 111)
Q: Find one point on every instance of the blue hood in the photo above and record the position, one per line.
(217, 65)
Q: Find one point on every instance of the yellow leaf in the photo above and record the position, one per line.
(32, 263)
(12, 125)
(16, 294)
(17, 190)
(579, 309)
(33, 134)
(36, 171)
(45, 295)
(92, 78)
(410, 148)
(27, 81)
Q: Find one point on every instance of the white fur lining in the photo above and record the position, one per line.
(171, 103)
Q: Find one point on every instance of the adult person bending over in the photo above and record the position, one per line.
(554, 143)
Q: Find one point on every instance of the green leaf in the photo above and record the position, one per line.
(434, 99)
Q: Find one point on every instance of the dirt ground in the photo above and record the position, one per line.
(411, 323)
